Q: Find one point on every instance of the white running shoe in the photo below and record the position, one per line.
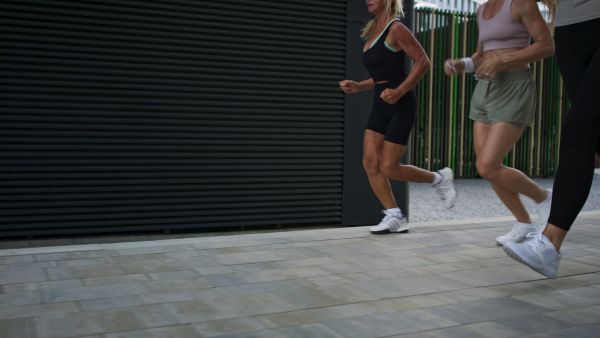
(537, 252)
(389, 224)
(446, 189)
(518, 233)
(544, 210)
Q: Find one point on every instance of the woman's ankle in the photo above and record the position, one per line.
(555, 234)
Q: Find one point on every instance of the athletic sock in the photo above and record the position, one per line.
(437, 179)
(396, 212)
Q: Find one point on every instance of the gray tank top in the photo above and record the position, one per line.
(571, 12)
(503, 30)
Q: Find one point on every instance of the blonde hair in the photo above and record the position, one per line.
(394, 9)
(551, 5)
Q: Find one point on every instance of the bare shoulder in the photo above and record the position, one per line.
(480, 8)
(525, 7)
(398, 26)
(479, 11)
(399, 29)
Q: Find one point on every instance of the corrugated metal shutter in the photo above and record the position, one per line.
(146, 115)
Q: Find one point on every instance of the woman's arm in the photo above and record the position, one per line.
(477, 57)
(456, 66)
(403, 39)
(349, 86)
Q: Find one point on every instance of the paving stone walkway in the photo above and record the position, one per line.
(443, 279)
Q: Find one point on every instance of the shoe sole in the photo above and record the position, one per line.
(502, 244)
(385, 232)
(508, 240)
(512, 254)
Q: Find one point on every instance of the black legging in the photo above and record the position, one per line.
(578, 56)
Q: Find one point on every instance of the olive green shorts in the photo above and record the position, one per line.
(510, 97)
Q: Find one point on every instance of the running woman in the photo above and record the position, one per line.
(503, 103)
(394, 111)
(577, 39)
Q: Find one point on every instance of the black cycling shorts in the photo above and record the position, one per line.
(395, 121)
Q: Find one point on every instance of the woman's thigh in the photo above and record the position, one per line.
(494, 141)
(372, 144)
(392, 154)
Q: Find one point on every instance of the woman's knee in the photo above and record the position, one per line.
(389, 169)
(371, 164)
(486, 170)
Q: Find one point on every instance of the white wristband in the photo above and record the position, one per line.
(469, 65)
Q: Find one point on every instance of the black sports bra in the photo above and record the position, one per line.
(382, 62)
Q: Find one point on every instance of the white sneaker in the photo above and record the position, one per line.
(537, 252)
(544, 210)
(518, 233)
(446, 189)
(389, 224)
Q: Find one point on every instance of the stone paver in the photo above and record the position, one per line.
(442, 279)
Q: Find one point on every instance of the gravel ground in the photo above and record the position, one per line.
(476, 199)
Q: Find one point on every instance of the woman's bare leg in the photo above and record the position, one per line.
(392, 168)
(372, 148)
(492, 143)
(381, 160)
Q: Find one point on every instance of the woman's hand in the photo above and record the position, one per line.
(489, 68)
(391, 96)
(453, 67)
(349, 86)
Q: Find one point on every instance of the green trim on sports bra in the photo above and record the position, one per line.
(374, 42)
(389, 47)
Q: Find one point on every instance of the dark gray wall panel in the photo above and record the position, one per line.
(141, 115)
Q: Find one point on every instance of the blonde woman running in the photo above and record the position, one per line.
(394, 111)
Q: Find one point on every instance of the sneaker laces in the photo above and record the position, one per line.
(541, 243)
(387, 217)
(531, 240)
